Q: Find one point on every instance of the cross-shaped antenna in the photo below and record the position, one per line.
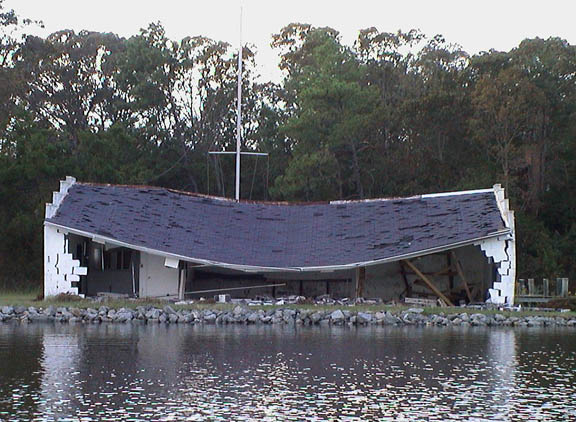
(238, 152)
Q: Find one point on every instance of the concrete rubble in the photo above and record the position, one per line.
(241, 314)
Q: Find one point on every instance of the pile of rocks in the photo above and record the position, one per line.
(245, 315)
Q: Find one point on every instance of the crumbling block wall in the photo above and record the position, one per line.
(60, 268)
(502, 250)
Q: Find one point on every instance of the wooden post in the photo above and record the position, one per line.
(545, 287)
(360, 278)
(429, 283)
(406, 283)
(565, 283)
(181, 282)
(521, 287)
(462, 276)
(188, 275)
(450, 257)
(531, 287)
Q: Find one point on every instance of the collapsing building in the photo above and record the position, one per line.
(153, 242)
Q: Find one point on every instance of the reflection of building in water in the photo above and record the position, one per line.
(501, 351)
(60, 357)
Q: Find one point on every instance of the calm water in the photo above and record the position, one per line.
(164, 373)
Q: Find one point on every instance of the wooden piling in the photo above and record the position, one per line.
(545, 287)
(360, 279)
(531, 287)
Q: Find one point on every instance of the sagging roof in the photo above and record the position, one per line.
(252, 235)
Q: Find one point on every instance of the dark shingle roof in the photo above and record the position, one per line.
(277, 235)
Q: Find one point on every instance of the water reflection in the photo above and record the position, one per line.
(158, 372)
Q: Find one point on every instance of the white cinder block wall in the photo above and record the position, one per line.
(60, 269)
(503, 251)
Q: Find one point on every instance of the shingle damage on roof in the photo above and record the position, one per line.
(276, 235)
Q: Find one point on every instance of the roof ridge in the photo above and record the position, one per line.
(328, 202)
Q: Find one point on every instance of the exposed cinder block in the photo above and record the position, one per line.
(60, 269)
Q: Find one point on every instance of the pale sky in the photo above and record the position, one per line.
(476, 25)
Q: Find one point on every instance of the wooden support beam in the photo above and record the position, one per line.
(408, 289)
(429, 283)
(462, 276)
(360, 278)
(450, 273)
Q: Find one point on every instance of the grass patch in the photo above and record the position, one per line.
(30, 298)
(19, 297)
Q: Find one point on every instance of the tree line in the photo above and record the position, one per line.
(393, 114)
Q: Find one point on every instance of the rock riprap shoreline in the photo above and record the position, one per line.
(246, 315)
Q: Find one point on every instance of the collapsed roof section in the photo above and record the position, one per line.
(266, 236)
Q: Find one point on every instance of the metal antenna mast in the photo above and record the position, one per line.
(238, 152)
(239, 111)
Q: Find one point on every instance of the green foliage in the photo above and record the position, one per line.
(311, 177)
(394, 114)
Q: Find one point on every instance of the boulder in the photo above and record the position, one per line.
(499, 318)
(19, 310)
(240, 310)
(123, 316)
(316, 317)
(390, 319)
(168, 310)
(379, 315)
(266, 319)
(153, 314)
(364, 317)
(210, 317)
(50, 311)
(337, 316)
